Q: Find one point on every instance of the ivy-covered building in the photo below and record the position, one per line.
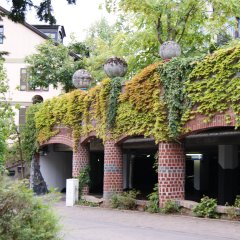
(175, 124)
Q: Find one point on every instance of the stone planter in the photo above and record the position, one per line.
(81, 79)
(169, 49)
(115, 67)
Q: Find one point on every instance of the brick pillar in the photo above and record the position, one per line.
(80, 161)
(171, 172)
(113, 169)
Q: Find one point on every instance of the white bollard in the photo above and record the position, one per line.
(72, 192)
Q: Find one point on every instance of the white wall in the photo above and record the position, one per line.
(56, 167)
(20, 42)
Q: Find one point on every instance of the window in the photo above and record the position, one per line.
(25, 86)
(1, 34)
(22, 116)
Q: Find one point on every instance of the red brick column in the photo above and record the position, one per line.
(171, 172)
(80, 161)
(113, 169)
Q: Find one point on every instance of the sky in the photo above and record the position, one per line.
(75, 18)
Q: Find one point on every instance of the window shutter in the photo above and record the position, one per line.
(22, 116)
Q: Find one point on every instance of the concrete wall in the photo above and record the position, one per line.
(56, 167)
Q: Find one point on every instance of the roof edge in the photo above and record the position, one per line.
(27, 25)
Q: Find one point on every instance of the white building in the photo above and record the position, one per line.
(20, 40)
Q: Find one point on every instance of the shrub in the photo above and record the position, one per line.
(24, 216)
(153, 201)
(125, 200)
(237, 202)
(206, 208)
(84, 202)
(84, 179)
(170, 207)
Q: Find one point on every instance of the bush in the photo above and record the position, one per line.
(206, 208)
(24, 216)
(153, 201)
(170, 207)
(84, 179)
(125, 200)
(237, 202)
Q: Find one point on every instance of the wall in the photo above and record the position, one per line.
(56, 167)
(20, 42)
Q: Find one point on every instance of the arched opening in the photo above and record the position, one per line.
(96, 164)
(56, 165)
(213, 165)
(139, 158)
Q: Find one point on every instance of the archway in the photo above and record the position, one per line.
(139, 157)
(56, 165)
(96, 164)
(213, 164)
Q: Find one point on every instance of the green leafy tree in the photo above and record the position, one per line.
(6, 113)
(52, 64)
(138, 48)
(191, 23)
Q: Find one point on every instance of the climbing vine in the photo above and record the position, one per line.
(156, 103)
(214, 85)
(30, 133)
(141, 109)
(113, 100)
(173, 77)
(82, 112)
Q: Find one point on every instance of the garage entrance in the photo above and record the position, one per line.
(139, 157)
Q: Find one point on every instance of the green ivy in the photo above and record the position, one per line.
(213, 85)
(113, 100)
(174, 74)
(30, 133)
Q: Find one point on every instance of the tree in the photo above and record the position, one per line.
(52, 64)
(6, 113)
(188, 22)
(138, 48)
(44, 10)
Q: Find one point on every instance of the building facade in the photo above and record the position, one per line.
(20, 40)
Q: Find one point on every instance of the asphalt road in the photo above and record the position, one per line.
(85, 223)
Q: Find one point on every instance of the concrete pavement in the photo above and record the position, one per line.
(85, 223)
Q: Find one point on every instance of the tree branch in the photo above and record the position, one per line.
(185, 20)
(158, 24)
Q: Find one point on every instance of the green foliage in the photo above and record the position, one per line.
(113, 100)
(125, 200)
(173, 76)
(29, 133)
(181, 21)
(237, 202)
(6, 113)
(71, 110)
(138, 48)
(83, 202)
(141, 109)
(52, 64)
(84, 179)
(213, 85)
(24, 216)
(206, 208)
(231, 212)
(170, 207)
(153, 201)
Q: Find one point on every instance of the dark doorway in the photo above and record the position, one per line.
(96, 172)
(217, 173)
(144, 174)
(139, 171)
